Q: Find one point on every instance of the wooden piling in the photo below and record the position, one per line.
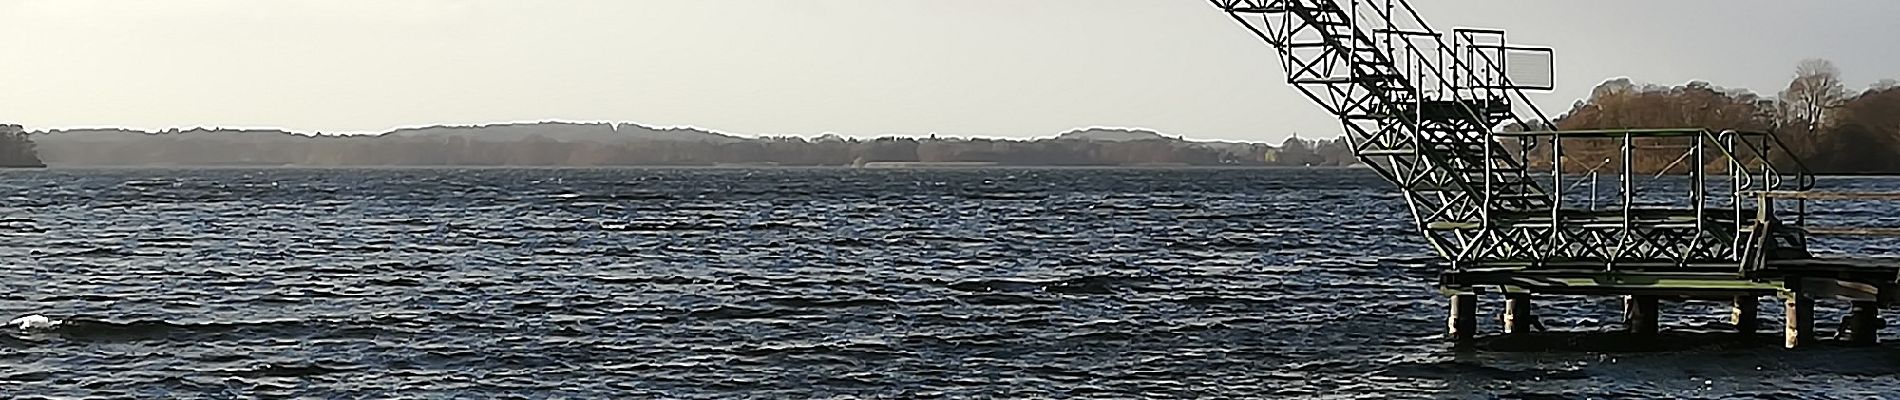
(1863, 324)
(1644, 314)
(1800, 321)
(1746, 314)
(1518, 317)
(1463, 322)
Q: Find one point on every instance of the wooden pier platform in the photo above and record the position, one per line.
(1868, 284)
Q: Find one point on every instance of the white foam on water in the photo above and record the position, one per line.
(34, 322)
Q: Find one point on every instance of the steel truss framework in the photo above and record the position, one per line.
(1441, 117)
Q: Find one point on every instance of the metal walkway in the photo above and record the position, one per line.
(1515, 207)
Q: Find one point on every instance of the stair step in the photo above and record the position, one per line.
(1323, 7)
(1369, 78)
(1452, 225)
(1258, 10)
(1521, 196)
(1328, 81)
(1388, 152)
(1476, 170)
(1307, 45)
(1460, 148)
(1402, 32)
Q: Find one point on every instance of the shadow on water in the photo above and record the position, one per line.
(1668, 365)
(1621, 342)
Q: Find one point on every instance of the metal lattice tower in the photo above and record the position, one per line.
(1445, 117)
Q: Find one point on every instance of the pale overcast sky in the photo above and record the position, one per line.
(855, 67)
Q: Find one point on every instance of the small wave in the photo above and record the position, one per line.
(149, 183)
(91, 252)
(289, 370)
(1102, 284)
(93, 329)
(1005, 196)
(1444, 369)
(1225, 216)
(821, 303)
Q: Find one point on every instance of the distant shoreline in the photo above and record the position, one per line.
(599, 144)
(926, 166)
(840, 167)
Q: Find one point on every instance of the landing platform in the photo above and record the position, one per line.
(1874, 279)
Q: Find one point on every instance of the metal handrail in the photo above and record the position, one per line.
(1425, 89)
(1747, 179)
(1543, 118)
(1419, 56)
(1412, 49)
(1806, 178)
(1765, 218)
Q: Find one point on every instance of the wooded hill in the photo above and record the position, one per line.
(17, 149)
(1835, 130)
(1832, 129)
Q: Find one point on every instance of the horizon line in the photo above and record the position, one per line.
(615, 125)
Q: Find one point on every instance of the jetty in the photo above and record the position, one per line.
(1515, 208)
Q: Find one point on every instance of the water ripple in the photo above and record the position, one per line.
(786, 283)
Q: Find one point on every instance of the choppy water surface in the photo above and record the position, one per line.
(714, 283)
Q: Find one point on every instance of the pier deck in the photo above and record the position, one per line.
(1844, 278)
(1868, 284)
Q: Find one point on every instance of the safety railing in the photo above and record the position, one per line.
(1770, 225)
(1744, 159)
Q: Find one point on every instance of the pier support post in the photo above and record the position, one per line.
(1863, 324)
(1746, 315)
(1463, 322)
(1800, 321)
(1644, 314)
(1517, 313)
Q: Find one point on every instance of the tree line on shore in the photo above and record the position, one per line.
(471, 149)
(1828, 127)
(1831, 128)
(1819, 121)
(17, 149)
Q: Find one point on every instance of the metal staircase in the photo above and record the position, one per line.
(1414, 110)
(1446, 118)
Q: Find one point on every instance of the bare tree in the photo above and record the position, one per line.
(1815, 92)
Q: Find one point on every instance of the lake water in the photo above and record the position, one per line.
(790, 283)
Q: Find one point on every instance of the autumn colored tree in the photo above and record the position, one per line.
(1865, 137)
(1621, 104)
